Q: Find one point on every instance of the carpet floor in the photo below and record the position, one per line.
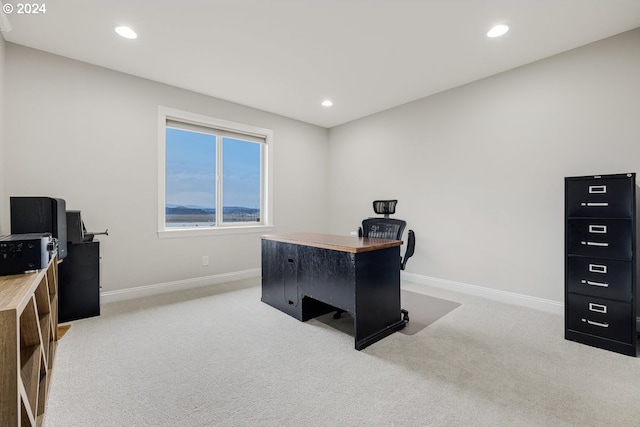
(217, 356)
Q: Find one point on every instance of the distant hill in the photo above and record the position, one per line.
(198, 210)
(183, 210)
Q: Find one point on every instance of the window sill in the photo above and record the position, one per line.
(211, 231)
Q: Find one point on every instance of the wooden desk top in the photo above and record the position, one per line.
(334, 242)
(16, 290)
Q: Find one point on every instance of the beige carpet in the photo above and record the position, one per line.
(217, 356)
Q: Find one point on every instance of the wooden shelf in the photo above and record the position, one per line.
(43, 390)
(26, 415)
(28, 334)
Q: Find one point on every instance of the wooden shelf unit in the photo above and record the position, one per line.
(28, 335)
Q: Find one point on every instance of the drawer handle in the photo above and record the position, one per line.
(598, 308)
(601, 244)
(591, 322)
(597, 268)
(595, 204)
(597, 189)
(599, 229)
(600, 284)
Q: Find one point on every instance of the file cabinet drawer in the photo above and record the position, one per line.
(600, 317)
(599, 277)
(604, 197)
(600, 238)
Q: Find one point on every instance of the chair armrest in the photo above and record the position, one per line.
(411, 245)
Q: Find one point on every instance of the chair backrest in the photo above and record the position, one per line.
(388, 228)
(385, 207)
(383, 228)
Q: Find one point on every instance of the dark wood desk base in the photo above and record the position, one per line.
(309, 281)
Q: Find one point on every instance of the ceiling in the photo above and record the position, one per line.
(286, 57)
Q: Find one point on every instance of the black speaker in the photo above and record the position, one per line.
(40, 215)
(75, 227)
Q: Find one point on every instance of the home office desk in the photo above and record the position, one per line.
(306, 275)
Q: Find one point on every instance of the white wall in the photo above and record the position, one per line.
(478, 170)
(89, 135)
(2, 136)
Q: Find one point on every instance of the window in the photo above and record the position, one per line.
(213, 174)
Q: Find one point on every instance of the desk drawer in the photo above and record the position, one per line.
(605, 197)
(600, 238)
(599, 277)
(600, 317)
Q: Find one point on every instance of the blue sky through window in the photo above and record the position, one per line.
(191, 170)
(241, 173)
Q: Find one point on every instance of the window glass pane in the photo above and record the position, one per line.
(190, 188)
(240, 180)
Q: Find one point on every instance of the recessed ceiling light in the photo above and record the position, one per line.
(498, 30)
(126, 32)
(327, 103)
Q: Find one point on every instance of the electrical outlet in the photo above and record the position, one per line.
(205, 260)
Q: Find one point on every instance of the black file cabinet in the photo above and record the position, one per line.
(79, 282)
(601, 302)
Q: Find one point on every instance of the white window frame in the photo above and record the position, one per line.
(266, 202)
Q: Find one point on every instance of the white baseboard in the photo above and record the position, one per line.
(542, 304)
(465, 288)
(178, 285)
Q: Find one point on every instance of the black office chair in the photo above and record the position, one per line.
(387, 228)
